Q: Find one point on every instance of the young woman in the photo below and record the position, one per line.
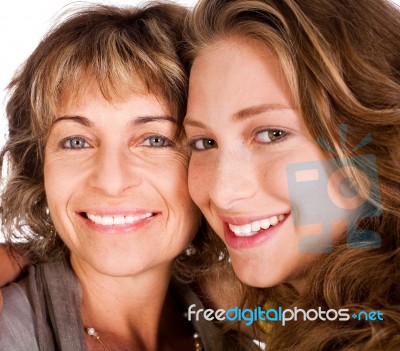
(293, 120)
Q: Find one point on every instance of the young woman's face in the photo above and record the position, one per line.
(115, 181)
(245, 134)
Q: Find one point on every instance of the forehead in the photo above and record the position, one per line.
(232, 49)
(236, 74)
(93, 96)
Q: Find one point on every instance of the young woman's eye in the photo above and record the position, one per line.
(74, 143)
(270, 135)
(157, 141)
(203, 144)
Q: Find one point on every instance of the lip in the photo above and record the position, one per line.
(246, 242)
(247, 220)
(116, 211)
(117, 228)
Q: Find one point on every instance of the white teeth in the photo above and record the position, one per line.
(246, 229)
(107, 220)
(235, 228)
(119, 220)
(265, 223)
(273, 220)
(116, 220)
(254, 227)
(146, 215)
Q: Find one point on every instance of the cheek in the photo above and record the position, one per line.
(58, 194)
(53, 178)
(175, 193)
(199, 178)
(63, 181)
(172, 183)
(272, 177)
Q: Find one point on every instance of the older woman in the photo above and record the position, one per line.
(294, 123)
(96, 194)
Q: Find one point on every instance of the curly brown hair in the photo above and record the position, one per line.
(342, 61)
(119, 49)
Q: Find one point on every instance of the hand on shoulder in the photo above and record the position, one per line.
(9, 268)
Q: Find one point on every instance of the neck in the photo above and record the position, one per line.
(300, 286)
(126, 311)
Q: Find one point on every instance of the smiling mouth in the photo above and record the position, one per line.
(117, 220)
(255, 227)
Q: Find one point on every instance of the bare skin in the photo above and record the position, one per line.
(10, 269)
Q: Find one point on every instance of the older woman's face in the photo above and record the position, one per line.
(246, 134)
(116, 183)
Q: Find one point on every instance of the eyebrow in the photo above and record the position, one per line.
(245, 113)
(78, 119)
(148, 119)
(137, 121)
(257, 110)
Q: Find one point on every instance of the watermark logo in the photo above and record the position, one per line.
(323, 197)
(280, 315)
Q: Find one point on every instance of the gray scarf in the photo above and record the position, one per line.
(55, 298)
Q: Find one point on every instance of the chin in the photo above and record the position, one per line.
(256, 277)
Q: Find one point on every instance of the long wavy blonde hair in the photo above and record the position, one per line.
(342, 61)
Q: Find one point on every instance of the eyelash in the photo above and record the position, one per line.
(192, 142)
(283, 135)
(63, 143)
(70, 139)
(169, 142)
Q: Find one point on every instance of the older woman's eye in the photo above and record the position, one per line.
(270, 135)
(157, 141)
(202, 144)
(74, 143)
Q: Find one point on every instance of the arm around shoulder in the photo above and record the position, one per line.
(10, 268)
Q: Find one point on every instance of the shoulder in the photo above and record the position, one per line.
(16, 319)
(14, 295)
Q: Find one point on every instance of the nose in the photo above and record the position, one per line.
(233, 180)
(113, 172)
